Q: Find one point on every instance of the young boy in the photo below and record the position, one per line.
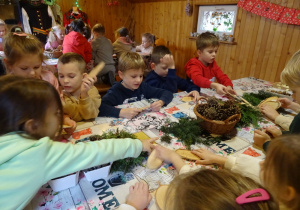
(80, 99)
(204, 70)
(131, 88)
(164, 73)
(103, 51)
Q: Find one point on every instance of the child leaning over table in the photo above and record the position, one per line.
(203, 70)
(291, 77)
(81, 99)
(31, 121)
(131, 88)
(164, 74)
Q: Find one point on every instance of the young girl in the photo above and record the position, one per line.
(55, 38)
(123, 42)
(147, 44)
(279, 172)
(3, 31)
(31, 116)
(76, 42)
(24, 57)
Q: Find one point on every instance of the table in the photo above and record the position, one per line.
(100, 193)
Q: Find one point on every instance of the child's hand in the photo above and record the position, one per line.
(169, 156)
(87, 84)
(274, 131)
(139, 196)
(220, 89)
(260, 137)
(194, 94)
(169, 61)
(70, 122)
(157, 105)
(148, 144)
(286, 103)
(129, 113)
(230, 90)
(269, 111)
(209, 157)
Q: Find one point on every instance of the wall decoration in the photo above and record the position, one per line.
(271, 11)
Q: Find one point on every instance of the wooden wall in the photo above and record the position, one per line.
(112, 17)
(263, 45)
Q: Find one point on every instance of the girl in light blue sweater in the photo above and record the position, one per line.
(31, 118)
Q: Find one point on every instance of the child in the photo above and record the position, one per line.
(123, 43)
(131, 88)
(24, 57)
(3, 31)
(81, 99)
(203, 189)
(291, 77)
(55, 38)
(164, 74)
(31, 115)
(103, 51)
(204, 70)
(76, 42)
(147, 44)
(279, 173)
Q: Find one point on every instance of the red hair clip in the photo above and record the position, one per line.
(244, 198)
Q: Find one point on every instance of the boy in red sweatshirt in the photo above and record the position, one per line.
(204, 71)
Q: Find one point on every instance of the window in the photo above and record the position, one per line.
(217, 18)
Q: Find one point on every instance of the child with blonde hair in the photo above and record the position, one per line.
(81, 99)
(31, 119)
(205, 189)
(203, 70)
(147, 44)
(291, 77)
(55, 38)
(278, 172)
(131, 89)
(24, 57)
(3, 31)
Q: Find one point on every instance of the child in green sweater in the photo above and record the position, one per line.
(31, 119)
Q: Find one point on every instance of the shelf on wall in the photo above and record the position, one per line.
(223, 42)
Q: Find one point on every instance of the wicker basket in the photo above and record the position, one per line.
(217, 126)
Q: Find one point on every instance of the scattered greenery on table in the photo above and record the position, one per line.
(189, 132)
(126, 164)
(256, 98)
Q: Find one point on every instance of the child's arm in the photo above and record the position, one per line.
(161, 94)
(243, 164)
(220, 89)
(88, 52)
(65, 158)
(220, 76)
(287, 104)
(129, 113)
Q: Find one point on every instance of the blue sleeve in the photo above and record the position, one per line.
(107, 107)
(168, 83)
(185, 85)
(161, 94)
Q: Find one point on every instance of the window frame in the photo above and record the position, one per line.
(219, 7)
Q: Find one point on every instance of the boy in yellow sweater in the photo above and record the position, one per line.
(81, 99)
